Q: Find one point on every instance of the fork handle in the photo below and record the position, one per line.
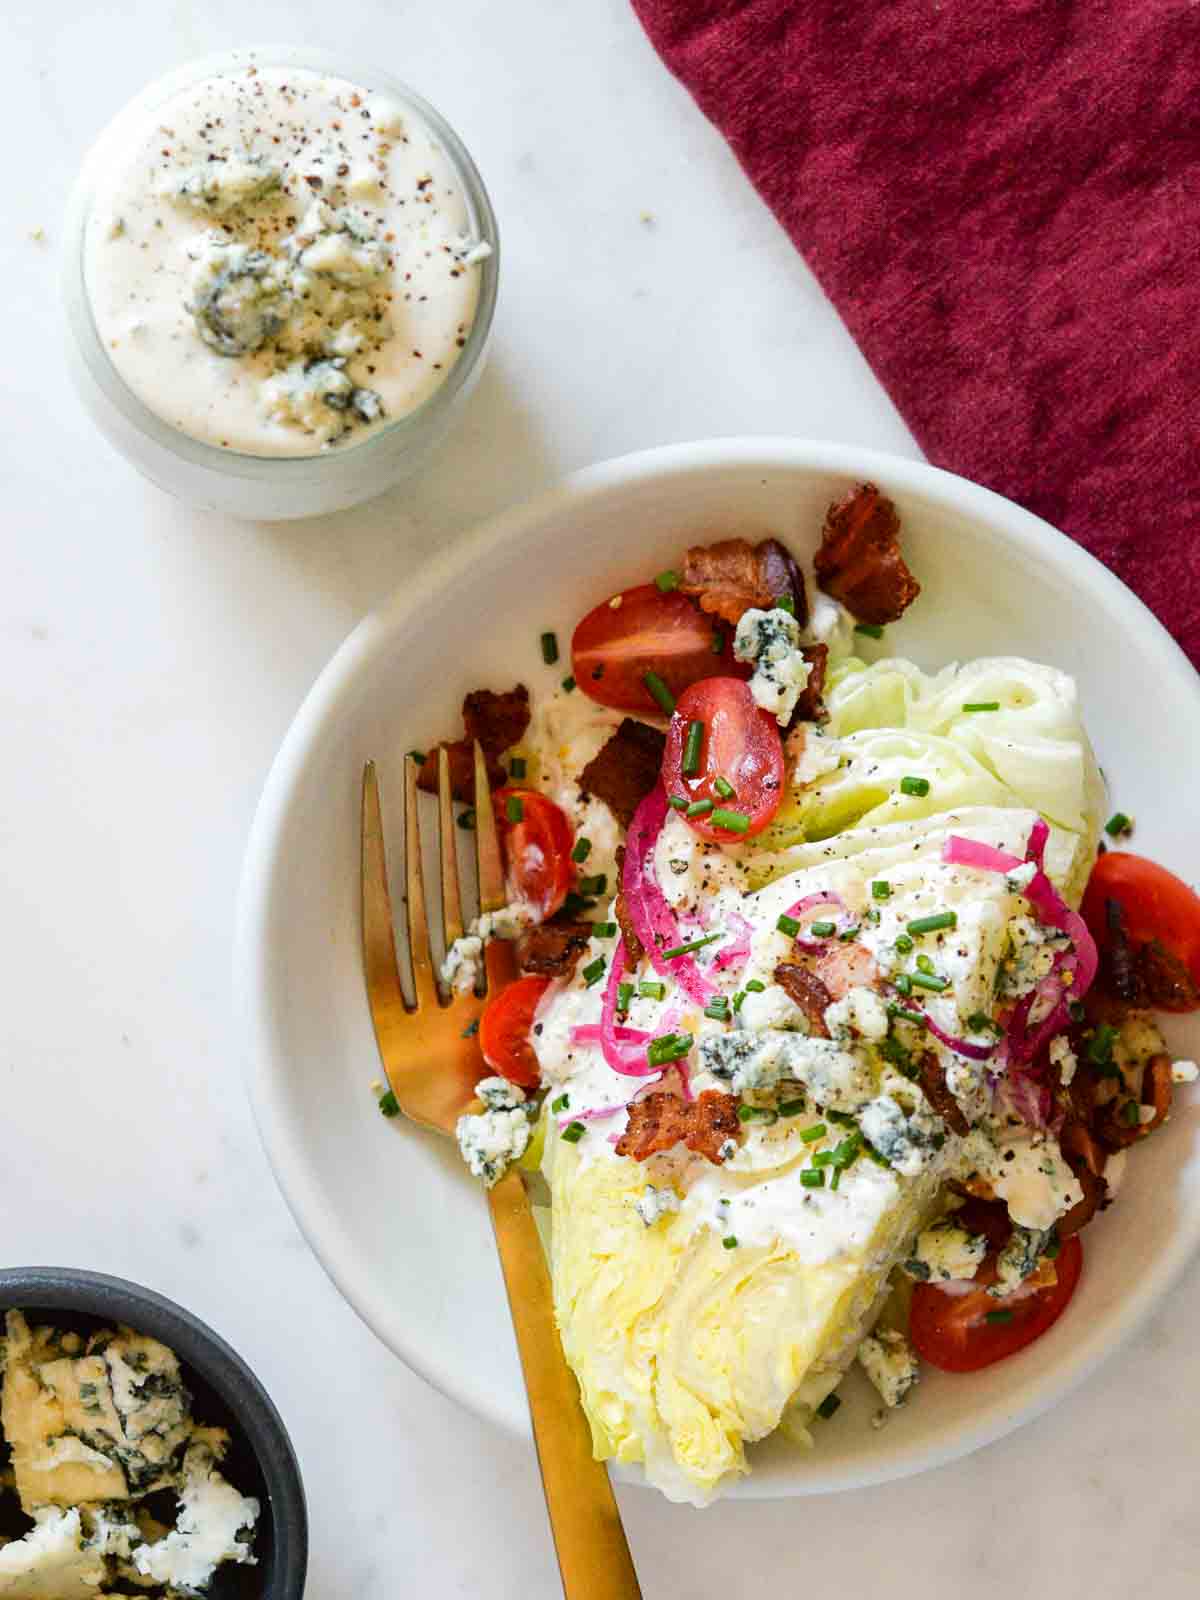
(593, 1554)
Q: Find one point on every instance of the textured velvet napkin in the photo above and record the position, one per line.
(1003, 202)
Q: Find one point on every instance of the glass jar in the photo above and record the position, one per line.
(243, 484)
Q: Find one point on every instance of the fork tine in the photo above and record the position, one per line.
(384, 991)
(487, 843)
(452, 922)
(424, 982)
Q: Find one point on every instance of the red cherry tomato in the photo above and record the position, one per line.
(741, 746)
(1155, 905)
(504, 1030)
(537, 849)
(615, 646)
(952, 1331)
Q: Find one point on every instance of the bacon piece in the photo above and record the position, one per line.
(937, 1091)
(1087, 1161)
(662, 1120)
(634, 949)
(553, 949)
(498, 721)
(859, 561)
(733, 576)
(1165, 983)
(809, 993)
(623, 772)
(1113, 1127)
(842, 967)
(810, 707)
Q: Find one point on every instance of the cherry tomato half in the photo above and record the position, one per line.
(740, 751)
(537, 848)
(952, 1331)
(1156, 905)
(616, 645)
(504, 1030)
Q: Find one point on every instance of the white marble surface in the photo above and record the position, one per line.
(150, 660)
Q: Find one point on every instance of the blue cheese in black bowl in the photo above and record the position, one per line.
(138, 1453)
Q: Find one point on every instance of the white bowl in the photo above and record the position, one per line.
(389, 1210)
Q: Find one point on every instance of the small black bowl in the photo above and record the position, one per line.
(260, 1462)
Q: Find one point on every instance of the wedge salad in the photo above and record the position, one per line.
(837, 1011)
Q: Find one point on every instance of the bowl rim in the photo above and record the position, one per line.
(198, 1346)
(1018, 526)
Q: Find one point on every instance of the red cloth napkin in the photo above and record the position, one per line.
(1003, 202)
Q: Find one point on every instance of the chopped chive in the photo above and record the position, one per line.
(998, 1316)
(668, 1047)
(788, 925)
(828, 1406)
(549, 648)
(604, 930)
(786, 602)
(734, 821)
(881, 889)
(596, 884)
(666, 581)
(738, 998)
(594, 971)
(561, 1104)
(724, 788)
(848, 935)
(389, 1106)
(729, 1242)
(699, 808)
(757, 1113)
(848, 1152)
(677, 802)
(873, 916)
(813, 1178)
(650, 990)
(466, 819)
(624, 996)
(917, 786)
(516, 766)
(935, 923)
(418, 756)
(1131, 1113)
(575, 903)
(1053, 1247)
(514, 808)
(870, 630)
(718, 1009)
(568, 684)
(822, 930)
(980, 1022)
(903, 943)
(573, 1132)
(930, 981)
(835, 1177)
(660, 692)
(692, 743)
(924, 964)
(792, 1108)
(981, 705)
(823, 1158)
(718, 643)
(842, 1118)
(755, 985)
(582, 850)
(1118, 824)
(817, 1131)
(903, 983)
(1100, 1045)
(471, 1029)
(902, 1014)
(692, 944)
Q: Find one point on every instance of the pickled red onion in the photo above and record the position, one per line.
(653, 920)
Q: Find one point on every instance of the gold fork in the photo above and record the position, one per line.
(430, 1052)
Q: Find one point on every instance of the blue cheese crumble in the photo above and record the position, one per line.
(771, 640)
(890, 1362)
(653, 1204)
(492, 1139)
(759, 1062)
(946, 1252)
